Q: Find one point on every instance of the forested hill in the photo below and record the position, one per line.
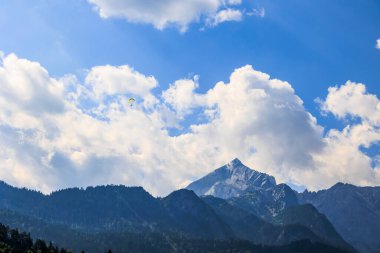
(13, 241)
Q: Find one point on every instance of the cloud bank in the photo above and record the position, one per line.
(164, 13)
(64, 132)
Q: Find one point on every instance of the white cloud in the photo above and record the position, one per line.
(378, 44)
(263, 121)
(26, 92)
(352, 100)
(224, 16)
(342, 158)
(57, 133)
(181, 96)
(258, 119)
(109, 80)
(162, 13)
(257, 12)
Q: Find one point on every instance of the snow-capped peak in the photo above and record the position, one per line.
(231, 180)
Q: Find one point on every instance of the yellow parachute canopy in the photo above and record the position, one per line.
(131, 101)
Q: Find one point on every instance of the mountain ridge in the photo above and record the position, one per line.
(255, 194)
(354, 211)
(120, 209)
(269, 201)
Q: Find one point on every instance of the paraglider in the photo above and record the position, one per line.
(131, 101)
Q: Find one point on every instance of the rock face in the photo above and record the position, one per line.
(354, 212)
(266, 203)
(231, 180)
(247, 189)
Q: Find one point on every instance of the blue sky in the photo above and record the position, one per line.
(313, 45)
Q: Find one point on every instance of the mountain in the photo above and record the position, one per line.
(258, 194)
(97, 218)
(248, 226)
(308, 216)
(231, 180)
(122, 209)
(266, 203)
(248, 189)
(106, 207)
(194, 216)
(19, 199)
(231, 203)
(354, 212)
(95, 208)
(146, 242)
(292, 224)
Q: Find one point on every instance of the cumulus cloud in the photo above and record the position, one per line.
(26, 92)
(57, 133)
(109, 80)
(167, 12)
(181, 96)
(378, 44)
(352, 100)
(342, 160)
(255, 117)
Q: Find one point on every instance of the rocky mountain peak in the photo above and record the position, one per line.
(234, 163)
(231, 180)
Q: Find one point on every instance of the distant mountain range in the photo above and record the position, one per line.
(343, 213)
(231, 204)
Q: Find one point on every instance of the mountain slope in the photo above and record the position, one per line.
(194, 216)
(13, 241)
(114, 209)
(107, 207)
(147, 242)
(308, 216)
(20, 199)
(354, 212)
(248, 226)
(266, 203)
(231, 180)
(95, 208)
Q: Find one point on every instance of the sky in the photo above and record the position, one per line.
(291, 88)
